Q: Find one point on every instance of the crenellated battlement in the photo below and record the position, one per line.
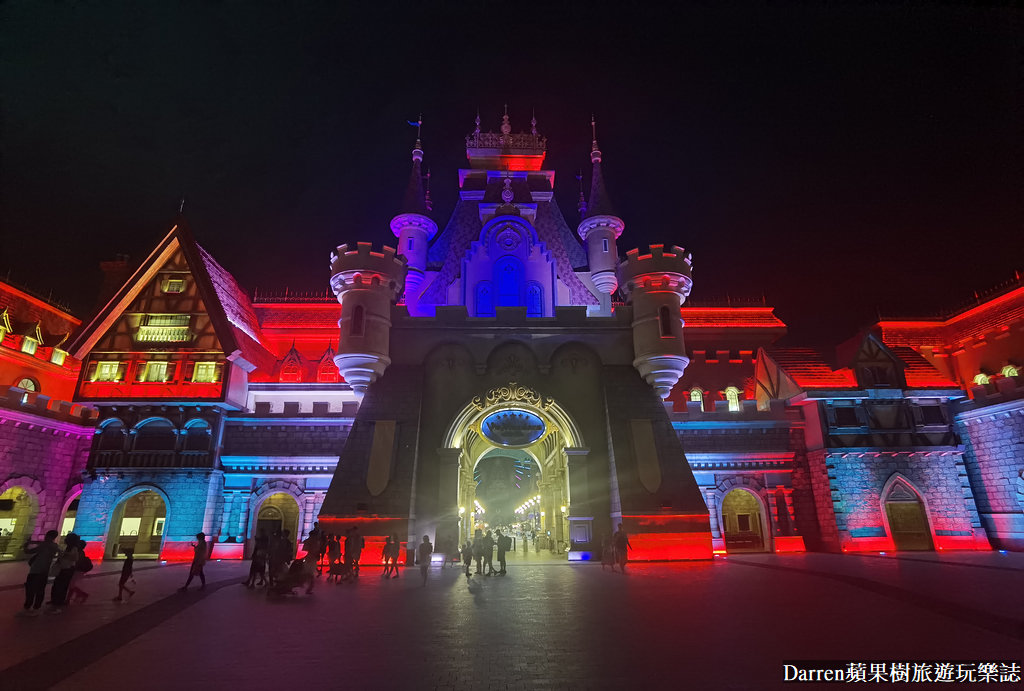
(658, 270)
(363, 267)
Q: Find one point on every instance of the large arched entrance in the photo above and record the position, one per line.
(907, 518)
(138, 522)
(277, 513)
(743, 524)
(513, 449)
(18, 510)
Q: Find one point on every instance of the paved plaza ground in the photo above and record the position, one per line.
(726, 624)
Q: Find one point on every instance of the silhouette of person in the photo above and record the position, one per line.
(43, 553)
(504, 542)
(423, 553)
(467, 556)
(126, 574)
(488, 547)
(202, 552)
(621, 543)
(478, 549)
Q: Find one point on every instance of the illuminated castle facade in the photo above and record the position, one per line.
(509, 340)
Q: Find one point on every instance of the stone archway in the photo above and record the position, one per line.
(20, 509)
(516, 417)
(138, 521)
(744, 521)
(906, 515)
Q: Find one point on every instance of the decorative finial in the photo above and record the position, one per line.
(417, 150)
(506, 194)
(595, 152)
(581, 205)
(181, 206)
(426, 195)
(477, 130)
(533, 123)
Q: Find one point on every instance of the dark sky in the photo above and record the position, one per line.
(834, 159)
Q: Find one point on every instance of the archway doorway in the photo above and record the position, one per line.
(513, 448)
(138, 522)
(908, 519)
(67, 523)
(18, 510)
(743, 524)
(277, 513)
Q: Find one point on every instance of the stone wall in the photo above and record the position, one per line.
(44, 450)
(992, 431)
(193, 498)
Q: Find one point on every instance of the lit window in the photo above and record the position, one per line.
(697, 396)
(1010, 371)
(107, 371)
(981, 379)
(57, 356)
(28, 384)
(29, 345)
(165, 328)
(174, 285)
(732, 395)
(154, 372)
(205, 372)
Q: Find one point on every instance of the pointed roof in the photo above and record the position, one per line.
(415, 199)
(599, 204)
(230, 311)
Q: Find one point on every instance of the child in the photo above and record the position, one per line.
(126, 574)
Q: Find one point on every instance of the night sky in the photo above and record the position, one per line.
(834, 160)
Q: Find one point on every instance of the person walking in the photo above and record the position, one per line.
(621, 543)
(478, 550)
(43, 553)
(82, 566)
(423, 553)
(488, 543)
(504, 543)
(354, 544)
(66, 563)
(396, 551)
(126, 574)
(198, 562)
(385, 557)
(467, 556)
(258, 567)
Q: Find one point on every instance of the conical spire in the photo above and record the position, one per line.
(599, 204)
(415, 199)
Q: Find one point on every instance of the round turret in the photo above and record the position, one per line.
(656, 285)
(414, 232)
(599, 234)
(366, 283)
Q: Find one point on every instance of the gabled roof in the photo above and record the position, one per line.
(809, 369)
(229, 308)
(920, 373)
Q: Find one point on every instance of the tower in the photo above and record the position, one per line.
(366, 283)
(414, 229)
(656, 285)
(599, 230)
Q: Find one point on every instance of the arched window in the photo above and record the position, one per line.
(732, 395)
(604, 244)
(534, 300)
(981, 379)
(484, 301)
(28, 384)
(697, 396)
(327, 372)
(112, 434)
(197, 435)
(508, 281)
(1010, 371)
(665, 320)
(357, 326)
(155, 434)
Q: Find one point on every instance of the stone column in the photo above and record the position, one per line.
(581, 516)
(773, 515)
(229, 504)
(243, 515)
(448, 491)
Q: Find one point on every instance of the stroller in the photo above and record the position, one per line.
(296, 576)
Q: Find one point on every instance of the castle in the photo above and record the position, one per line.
(504, 350)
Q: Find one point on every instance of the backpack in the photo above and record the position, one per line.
(506, 543)
(84, 564)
